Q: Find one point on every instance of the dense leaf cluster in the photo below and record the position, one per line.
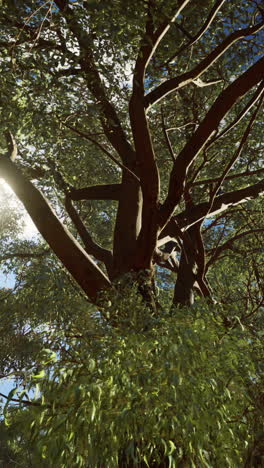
(182, 391)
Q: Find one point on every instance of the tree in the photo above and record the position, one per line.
(65, 85)
(136, 135)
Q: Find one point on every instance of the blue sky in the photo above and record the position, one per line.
(7, 281)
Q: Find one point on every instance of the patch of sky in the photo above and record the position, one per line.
(6, 386)
(7, 281)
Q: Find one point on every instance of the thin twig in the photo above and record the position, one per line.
(229, 177)
(102, 148)
(25, 402)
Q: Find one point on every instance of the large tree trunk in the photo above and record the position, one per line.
(184, 286)
(128, 225)
(183, 290)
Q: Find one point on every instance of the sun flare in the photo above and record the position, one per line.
(8, 199)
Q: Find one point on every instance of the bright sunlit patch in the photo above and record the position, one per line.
(30, 229)
(8, 198)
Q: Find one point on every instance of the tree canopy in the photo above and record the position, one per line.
(131, 133)
(171, 110)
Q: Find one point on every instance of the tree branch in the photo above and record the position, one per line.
(184, 285)
(219, 109)
(197, 213)
(236, 155)
(149, 174)
(151, 39)
(148, 170)
(110, 120)
(102, 148)
(228, 245)
(180, 81)
(240, 116)
(229, 177)
(71, 71)
(218, 4)
(91, 247)
(192, 215)
(25, 255)
(25, 402)
(87, 274)
(166, 260)
(165, 133)
(96, 192)
(11, 145)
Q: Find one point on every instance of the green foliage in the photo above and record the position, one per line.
(14, 450)
(125, 387)
(182, 389)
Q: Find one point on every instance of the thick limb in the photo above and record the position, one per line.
(87, 274)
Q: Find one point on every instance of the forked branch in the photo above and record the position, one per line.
(91, 247)
(198, 212)
(182, 80)
(236, 155)
(102, 148)
(215, 253)
(201, 31)
(219, 109)
(240, 116)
